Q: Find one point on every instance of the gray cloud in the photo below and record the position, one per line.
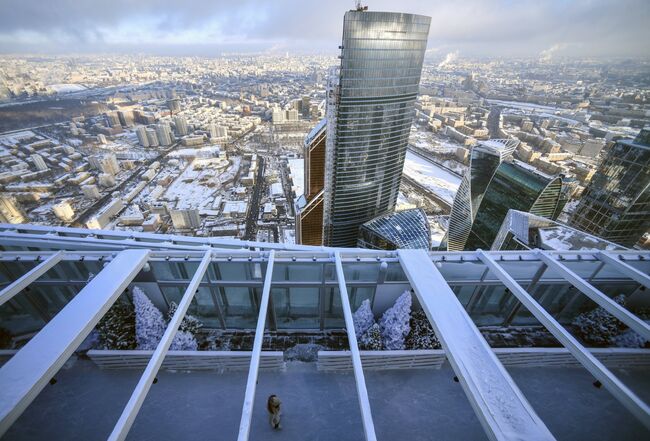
(472, 27)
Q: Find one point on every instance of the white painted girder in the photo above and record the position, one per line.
(621, 392)
(500, 406)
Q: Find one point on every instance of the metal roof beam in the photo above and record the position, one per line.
(27, 372)
(23, 282)
(253, 370)
(360, 380)
(624, 268)
(139, 394)
(621, 392)
(505, 415)
(597, 296)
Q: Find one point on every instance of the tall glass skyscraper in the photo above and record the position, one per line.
(494, 184)
(616, 204)
(370, 109)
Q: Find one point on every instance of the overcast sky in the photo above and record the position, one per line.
(552, 28)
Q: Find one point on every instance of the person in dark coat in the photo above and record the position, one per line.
(273, 406)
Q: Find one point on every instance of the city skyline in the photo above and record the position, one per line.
(498, 28)
(382, 240)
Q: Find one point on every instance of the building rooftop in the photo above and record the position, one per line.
(280, 287)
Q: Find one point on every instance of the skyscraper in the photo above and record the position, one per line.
(370, 109)
(493, 184)
(616, 204)
(141, 131)
(408, 229)
(10, 210)
(181, 125)
(39, 162)
(164, 134)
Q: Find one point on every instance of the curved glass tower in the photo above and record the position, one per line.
(493, 184)
(370, 111)
(486, 158)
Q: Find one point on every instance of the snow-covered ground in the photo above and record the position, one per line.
(197, 184)
(66, 88)
(297, 171)
(438, 227)
(440, 181)
(86, 402)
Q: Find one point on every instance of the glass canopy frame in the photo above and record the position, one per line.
(470, 274)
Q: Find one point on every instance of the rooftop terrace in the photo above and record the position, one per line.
(64, 281)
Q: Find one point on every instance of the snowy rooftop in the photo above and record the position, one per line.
(564, 238)
(297, 171)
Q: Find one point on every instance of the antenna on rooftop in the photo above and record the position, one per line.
(360, 7)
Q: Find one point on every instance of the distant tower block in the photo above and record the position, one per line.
(181, 125)
(10, 210)
(152, 138)
(141, 131)
(39, 162)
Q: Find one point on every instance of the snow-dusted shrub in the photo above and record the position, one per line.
(149, 321)
(422, 335)
(630, 339)
(116, 329)
(363, 318)
(599, 327)
(189, 323)
(371, 340)
(394, 323)
(184, 341)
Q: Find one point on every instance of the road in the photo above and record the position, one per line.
(254, 204)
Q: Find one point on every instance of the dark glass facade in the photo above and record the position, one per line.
(370, 113)
(512, 187)
(403, 229)
(616, 204)
(484, 162)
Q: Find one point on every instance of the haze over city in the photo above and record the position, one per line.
(477, 28)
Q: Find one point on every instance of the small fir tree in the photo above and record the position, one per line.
(371, 340)
(394, 323)
(363, 318)
(149, 322)
(189, 323)
(422, 335)
(630, 339)
(598, 327)
(184, 341)
(117, 328)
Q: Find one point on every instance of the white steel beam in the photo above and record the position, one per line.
(500, 406)
(359, 378)
(597, 296)
(27, 372)
(622, 393)
(253, 370)
(139, 394)
(23, 282)
(624, 268)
